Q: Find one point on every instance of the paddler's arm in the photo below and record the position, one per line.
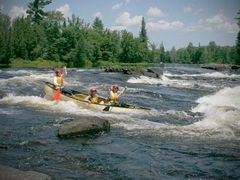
(55, 81)
(124, 90)
(110, 93)
(64, 71)
(88, 98)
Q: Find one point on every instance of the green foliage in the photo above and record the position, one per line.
(35, 10)
(143, 32)
(132, 49)
(162, 56)
(39, 63)
(98, 25)
(71, 41)
(5, 51)
(238, 40)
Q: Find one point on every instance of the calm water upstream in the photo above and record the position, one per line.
(192, 131)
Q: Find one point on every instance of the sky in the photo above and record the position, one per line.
(171, 22)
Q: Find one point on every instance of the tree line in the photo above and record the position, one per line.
(50, 36)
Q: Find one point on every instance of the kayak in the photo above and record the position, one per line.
(80, 99)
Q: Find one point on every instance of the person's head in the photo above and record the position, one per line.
(115, 87)
(58, 72)
(93, 91)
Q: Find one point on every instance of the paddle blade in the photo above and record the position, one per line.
(57, 95)
(106, 108)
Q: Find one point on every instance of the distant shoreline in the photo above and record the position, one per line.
(41, 63)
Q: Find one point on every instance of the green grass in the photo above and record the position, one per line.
(42, 63)
(39, 63)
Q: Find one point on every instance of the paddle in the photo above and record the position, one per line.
(57, 95)
(106, 108)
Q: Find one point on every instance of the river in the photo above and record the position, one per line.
(192, 131)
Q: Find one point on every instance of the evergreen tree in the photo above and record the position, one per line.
(98, 25)
(50, 36)
(143, 32)
(127, 47)
(144, 42)
(198, 54)
(190, 53)
(5, 50)
(237, 61)
(173, 55)
(153, 55)
(204, 57)
(35, 10)
(162, 53)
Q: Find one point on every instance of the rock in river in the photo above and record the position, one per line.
(135, 71)
(221, 67)
(9, 173)
(83, 127)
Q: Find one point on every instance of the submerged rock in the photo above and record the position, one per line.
(83, 127)
(9, 173)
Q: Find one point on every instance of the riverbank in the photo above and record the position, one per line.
(38, 63)
(126, 68)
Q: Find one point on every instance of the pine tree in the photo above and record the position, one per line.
(162, 53)
(98, 25)
(173, 55)
(35, 10)
(205, 56)
(238, 40)
(4, 39)
(143, 32)
(144, 41)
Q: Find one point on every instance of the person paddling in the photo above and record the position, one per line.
(114, 94)
(93, 97)
(58, 80)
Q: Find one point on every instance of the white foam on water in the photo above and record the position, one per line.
(31, 77)
(21, 71)
(180, 114)
(36, 76)
(80, 70)
(221, 110)
(88, 70)
(165, 81)
(7, 112)
(66, 107)
(209, 75)
(221, 119)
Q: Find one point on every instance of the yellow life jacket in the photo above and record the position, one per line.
(94, 100)
(59, 81)
(114, 98)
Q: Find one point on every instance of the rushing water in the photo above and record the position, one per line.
(192, 131)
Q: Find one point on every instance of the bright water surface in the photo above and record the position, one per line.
(192, 131)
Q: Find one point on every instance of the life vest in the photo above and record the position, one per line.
(94, 100)
(114, 98)
(59, 81)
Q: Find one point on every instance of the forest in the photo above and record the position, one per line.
(49, 36)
